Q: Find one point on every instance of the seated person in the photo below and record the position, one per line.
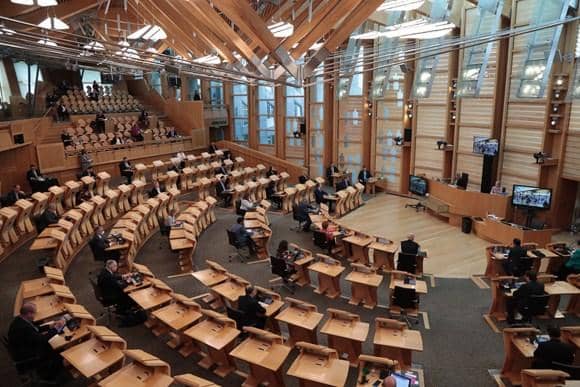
(117, 140)
(497, 189)
(254, 313)
(342, 184)
(100, 120)
(171, 133)
(48, 217)
(171, 220)
(224, 191)
(15, 194)
(572, 265)
(283, 252)
(136, 132)
(329, 231)
(409, 246)
(513, 265)
(156, 190)
(462, 181)
(220, 170)
(66, 138)
(89, 172)
(302, 179)
(389, 381)
(34, 175)
(85, 160)
(302, 213)
(521, 297)
(126, 169)
(99, 244)
(29, 342)
(112, 284)
(243, 238)
(319, 194)
(331, 170)
(212, 148)
(246, 204)
(271, 171)
(553, 351)
(364, 176)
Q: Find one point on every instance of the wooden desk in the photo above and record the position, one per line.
(50, 305)
(175, 318)
(518, 352)
(68, 338)
(231, 289)
(346, 333)
(543, 378)
(420, 286)
(395, 341)
(38, 286)
(211, 276)
(571, 335)
(498, 309)
(557, 289)
(302, 277)
(364, 284)
(383, 255)
(496, 231)
(152, 297)
(302, 319)
(329, 271)
(374, 365)
(218, 334)
(272, 309)
(356, 247)
(265, 353)
(318, 366)
(194, 381)
(97, 354)
(146, 370)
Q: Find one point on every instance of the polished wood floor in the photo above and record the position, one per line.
(451, 252)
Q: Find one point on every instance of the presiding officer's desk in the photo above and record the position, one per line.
(497, 230)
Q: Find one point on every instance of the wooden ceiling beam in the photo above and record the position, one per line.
(207, 16)
(318, 15)
(250, 23)
(62, 11)
(336, 14)
(340, 34)
(12, 10)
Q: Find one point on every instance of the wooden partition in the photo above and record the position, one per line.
(571, 167)
(15, 161)
(253, 157)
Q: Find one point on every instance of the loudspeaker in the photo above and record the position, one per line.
(18, 138)
(408, 135)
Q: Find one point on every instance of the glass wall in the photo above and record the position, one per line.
(316, 130)
(266, 114)
(193, 86)
(240, 113)
(156, 82)
(293, 120)
(26, 77)
(5, 92)
(216, 92)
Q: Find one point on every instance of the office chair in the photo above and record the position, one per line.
(524, 265)
(572, 370)
(108, 309)
(407, 300)
(407, 262)
(238, 316)
(279, 268)
(239, 210)
(537, 305)
(233, 241)
(296, 218)
(26, 368)
(319, 238)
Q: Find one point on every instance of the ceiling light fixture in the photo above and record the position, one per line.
(281, 29)
(96, 46)
(128, 53)
(123, 43)
(40, 3)
(149, 32)
(400, 5)
(209, 59)
(53, 23)
(47, 42)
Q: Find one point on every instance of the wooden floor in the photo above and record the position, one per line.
(451, 253)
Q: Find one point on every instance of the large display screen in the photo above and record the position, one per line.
(417, 185)
(532, 197)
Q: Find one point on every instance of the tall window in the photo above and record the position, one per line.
(316, 130)
(5, 92)
(240, 112)
(89, 76)
(193, 86)
(156, 82)
(266, 111)
(216, 92)
(294, 119)
(26, 75)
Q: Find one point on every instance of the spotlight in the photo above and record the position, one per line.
(559, 82)
(441, 144)
(410, 114)
(398, 140)
(553, 122)
(540, 157)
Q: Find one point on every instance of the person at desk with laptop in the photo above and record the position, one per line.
(553, 351)
(99, 244)
(246, 246)
(522, 296)
(28, 344)
(246, 204)
(517, 262)
(572, 265)
(250, 306)
(111, 284)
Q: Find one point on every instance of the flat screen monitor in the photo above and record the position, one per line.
(402, 381)
(485, 146)
(417, 185)
(531, 197)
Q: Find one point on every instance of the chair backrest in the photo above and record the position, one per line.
(572, 370)
(233, 239)
(537, 304)
(405, 298)
(320, 239)
(278, 266)
(295, 209)
(97, 291)
(237, 315)
(238, 205)
(407, 262)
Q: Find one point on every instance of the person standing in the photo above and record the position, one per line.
(85, 160)
(126, 169)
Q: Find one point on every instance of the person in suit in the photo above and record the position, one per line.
(212, 148)
(171, 133)
(223, 190)
(319, 194)
(243, 238)
(409, 246)
(100, 120)
(254, 313)
(521, 297)
(553, 351)
(90, 171)
(126, 169)
(271, 171)
(66, 138)
(156, 190)
(111, 284)
(343, 184)
(48, 217)
(331, 170)
(99, 244)
(513, 265)
(117, 140)
(28, 342)
(15, 194)
(302, 213)
(220, 170)
(364, 175)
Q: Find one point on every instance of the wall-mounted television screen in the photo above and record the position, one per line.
(532, 197)
(485, 146)
(417, 185)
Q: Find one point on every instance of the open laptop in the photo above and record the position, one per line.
(402, 381)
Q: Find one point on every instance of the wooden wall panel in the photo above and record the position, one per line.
(524, 140)
(530, 115)
(427, 157)
(519, 169)
(476, 112)
(440, 87)
(387, 155)
(471, 164)
(524, 12)
(15, 162)
(571, 168)
(431, 121)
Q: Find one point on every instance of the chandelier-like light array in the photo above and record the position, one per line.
(40, 3)
(149, 32)
(53, 23)
(95, 46)
(47, 42)
(208, 59)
